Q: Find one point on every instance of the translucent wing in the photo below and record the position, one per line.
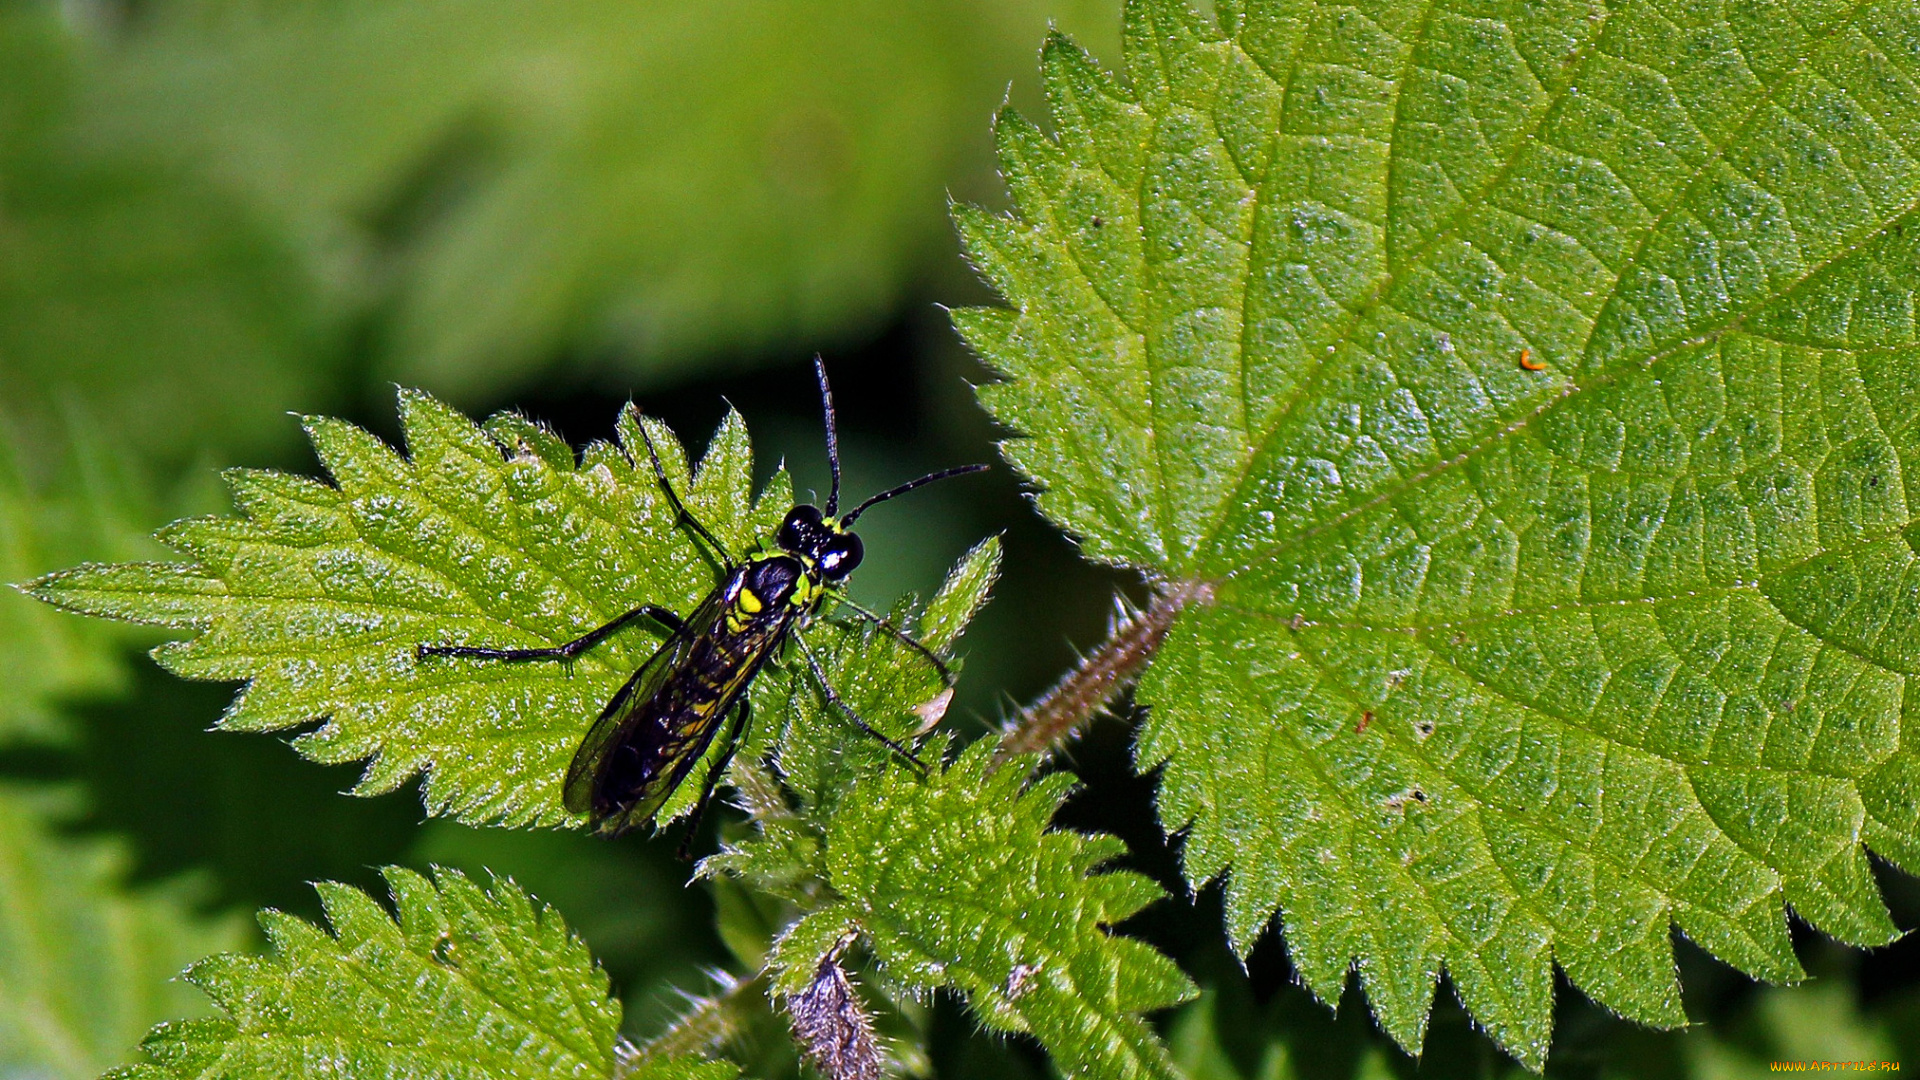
(634, 752)
(660, 723)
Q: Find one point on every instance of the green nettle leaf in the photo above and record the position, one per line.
(885, 681)
(956, 882)
(461, 981)
(85, 966)
(677, 1068)
(1534, 386)
(319, 595)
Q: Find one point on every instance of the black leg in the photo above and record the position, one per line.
(911, 642)
(713, 776)
(846, 710)
(569, 651)
(681, 513)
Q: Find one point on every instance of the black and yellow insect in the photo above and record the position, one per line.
(658, 726)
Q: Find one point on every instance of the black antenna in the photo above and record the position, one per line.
(960, 470)
(833, 437)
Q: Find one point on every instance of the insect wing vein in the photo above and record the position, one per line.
(659, 726)
(626, 717)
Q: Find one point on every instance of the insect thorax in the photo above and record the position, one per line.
(768, 584)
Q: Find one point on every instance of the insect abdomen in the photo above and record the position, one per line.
(680, 719)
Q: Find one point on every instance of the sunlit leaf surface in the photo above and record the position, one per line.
(320, 594)
(956, 882)
(1535, 385)
(459, 981)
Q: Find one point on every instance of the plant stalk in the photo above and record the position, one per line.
(1101, 675)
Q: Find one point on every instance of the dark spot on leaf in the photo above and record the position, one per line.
(1398, 803)
(1361, 727)
(1098, 222)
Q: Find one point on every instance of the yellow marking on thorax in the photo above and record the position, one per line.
(746, 604)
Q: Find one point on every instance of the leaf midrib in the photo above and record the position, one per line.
(1483, 804)
(1384, 287)
(1417, 633)
(1111, 1016)
(1211, 541)
(1779, 874)
(351, 964)
(1757, 585)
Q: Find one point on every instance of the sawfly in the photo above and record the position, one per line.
(660, 723)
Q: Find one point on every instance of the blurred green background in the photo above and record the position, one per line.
(214, 212)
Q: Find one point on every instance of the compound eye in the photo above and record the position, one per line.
(799, 530)
(839, 555)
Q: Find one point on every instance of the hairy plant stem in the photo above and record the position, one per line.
(703, 1029)
(1101, 675)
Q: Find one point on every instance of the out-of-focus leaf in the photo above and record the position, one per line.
(659, 179)
(85, 966)
(1194, 1042)
(1818, 1022)
(87, 508)
(129, 283)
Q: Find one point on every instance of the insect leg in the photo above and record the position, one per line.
(566, 652)
(713, 775)
(681, 513)
(911, 642)
(846, 710)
